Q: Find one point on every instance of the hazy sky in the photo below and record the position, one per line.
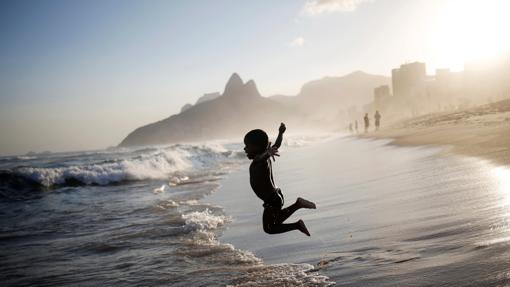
(80, 75)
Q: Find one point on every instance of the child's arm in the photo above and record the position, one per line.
(271, 151)
(279, 139)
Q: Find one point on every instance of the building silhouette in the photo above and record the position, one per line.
(414, 93)
(408, 80)
(382, 97)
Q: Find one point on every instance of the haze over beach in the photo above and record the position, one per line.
(124, 161)
(80, 76)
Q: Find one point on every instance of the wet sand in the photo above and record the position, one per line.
(482, 131)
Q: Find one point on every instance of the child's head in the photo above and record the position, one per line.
(255, 142)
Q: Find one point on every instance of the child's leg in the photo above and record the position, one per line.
(272, 226)
(285, 213)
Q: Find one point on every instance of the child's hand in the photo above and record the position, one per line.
(282, 128)
(272, 151)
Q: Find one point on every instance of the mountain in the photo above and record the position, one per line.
(321, 104)
(207, 97)
(239, 109)
(329, 99)
(354, 88)
(284, 99)
(186, 107)
(202, 99)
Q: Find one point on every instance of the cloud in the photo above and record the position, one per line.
(297, 42)
(316, 7)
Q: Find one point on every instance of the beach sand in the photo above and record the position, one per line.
(482, 131)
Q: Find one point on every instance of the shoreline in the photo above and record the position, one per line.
(482, 132)
(378, 214)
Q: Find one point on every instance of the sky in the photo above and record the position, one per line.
(80, 75)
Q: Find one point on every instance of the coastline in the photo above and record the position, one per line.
(482, 132)
(380, 219)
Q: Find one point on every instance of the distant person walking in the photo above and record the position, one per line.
(350, 127)
(377, 117)
(367, 122)
(356, 126)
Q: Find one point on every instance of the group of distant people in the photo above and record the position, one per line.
(366, 120)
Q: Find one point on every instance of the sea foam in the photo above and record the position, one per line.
(148, 163)
(203, 241)
(282, 275)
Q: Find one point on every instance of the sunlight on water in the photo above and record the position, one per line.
(501, 177)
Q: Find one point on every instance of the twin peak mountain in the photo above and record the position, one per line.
(241, 108)
(236, 88)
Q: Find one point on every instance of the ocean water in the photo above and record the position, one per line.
(125, 217)
(184, 215)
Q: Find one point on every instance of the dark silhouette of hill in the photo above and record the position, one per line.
(239, 109)
(186, 107)
(321, 104)
(202, 99)
(207, 97)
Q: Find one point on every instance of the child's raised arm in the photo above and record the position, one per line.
(279, 139)
(271, 151)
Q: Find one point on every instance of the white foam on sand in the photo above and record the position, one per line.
(306, 140)
(204, 243)
(205, 220)
(282, 275)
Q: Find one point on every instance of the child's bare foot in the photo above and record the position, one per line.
(305, 203)
(302, 227)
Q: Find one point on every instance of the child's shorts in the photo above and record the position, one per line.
(276, 201)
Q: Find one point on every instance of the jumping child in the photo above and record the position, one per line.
(259, 149)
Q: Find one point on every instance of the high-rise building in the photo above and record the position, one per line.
(408, 80)
(381, 97)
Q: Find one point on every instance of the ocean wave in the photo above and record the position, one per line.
(130, 165)
(205, 220)
(100, 174)
(306, 140)
(15, 186)
(26, 157)
(204, 245)
(8, 177)
(203, 242)
(286, 274)
(247, 269)
(118, 165)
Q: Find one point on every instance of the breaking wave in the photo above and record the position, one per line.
(306, 140)
(203, 241)
(126, 165)
(282, 275)
(247, 269)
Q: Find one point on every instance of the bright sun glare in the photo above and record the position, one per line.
(471, 31)
(501, 176)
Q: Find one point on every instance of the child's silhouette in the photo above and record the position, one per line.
(259, 149)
